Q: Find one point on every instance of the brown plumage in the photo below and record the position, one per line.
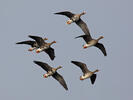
(86, 73)
(29, 42)
(52, 72)
(93, 42)
(33, 44)
(75, 18)
(44, 46)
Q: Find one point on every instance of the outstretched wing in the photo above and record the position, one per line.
(50, 52)
(101, 47)
(38, 39)
(27, 42)
(93, 78)
(82, 66)
(87, 38)
(43, 65)
(83, 26)
(60, 79)
(66, 13)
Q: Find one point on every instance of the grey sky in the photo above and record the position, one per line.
(21, 79)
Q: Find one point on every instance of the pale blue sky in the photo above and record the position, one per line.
(21, 79)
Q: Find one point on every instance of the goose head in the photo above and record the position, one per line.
(69, 21)
(45, 75)
(81, 78)
(86, 46)
(38, 50)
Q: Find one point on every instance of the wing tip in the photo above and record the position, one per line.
(58, 13)
(72, 61)
(66, 89)
(55, 13)
(29, 35)
(81, 36)
(93, 79)
(17, 43)
(36, 62)
(105, 54)
(52, 58)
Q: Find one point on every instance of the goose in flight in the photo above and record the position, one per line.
(93, 42)
(86, 73)
(52, 72)
(75, 18)
(33, 44)
(43, 46)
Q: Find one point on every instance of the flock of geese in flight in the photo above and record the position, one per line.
(39, 44)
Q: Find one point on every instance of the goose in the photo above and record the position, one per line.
(52, 72)
(43, 46)
(33, 44)
(86, 73)
(75, 18)
(93, 42)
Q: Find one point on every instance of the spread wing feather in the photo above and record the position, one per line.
(60, 79)
(43, 65)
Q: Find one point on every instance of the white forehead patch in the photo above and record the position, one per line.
(39, 49)
(86, 45)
